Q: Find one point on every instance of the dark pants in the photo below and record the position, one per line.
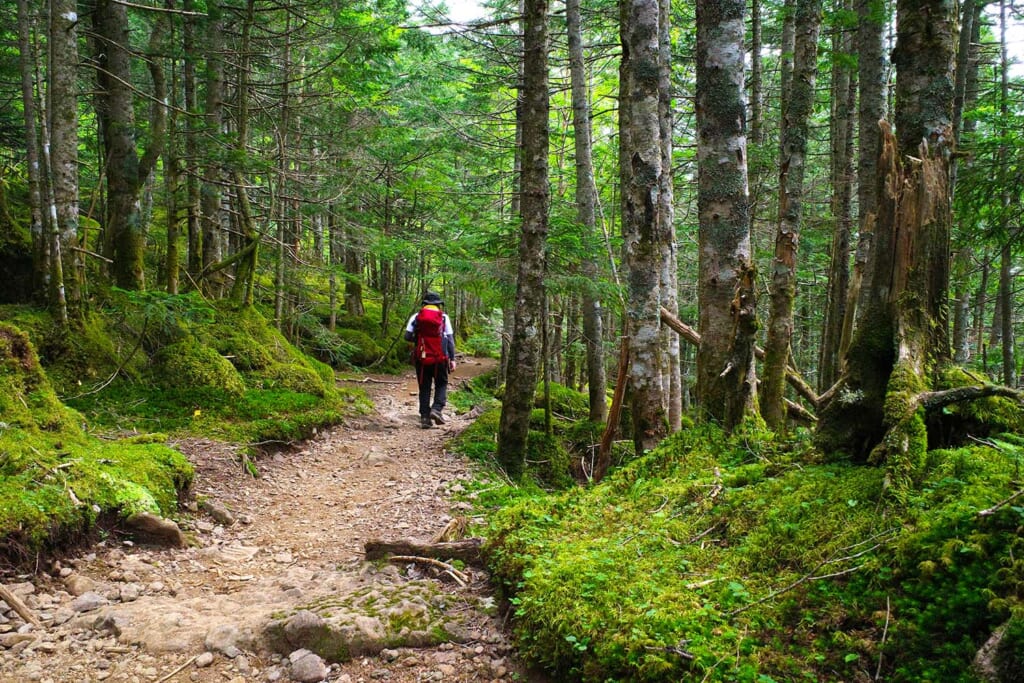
(436, 375)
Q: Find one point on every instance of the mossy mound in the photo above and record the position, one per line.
(565, 402)
(362, 349)
(730, 559)
(224, 372)
(192, 368)
(56, 480)
(89, 356)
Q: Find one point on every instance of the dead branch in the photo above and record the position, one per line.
(18, 606)
(461, 578)
(933, 400)
(798, 413)
(988, 512)
(467, 550)
(792, 376)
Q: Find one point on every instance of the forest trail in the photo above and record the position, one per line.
(144, 614)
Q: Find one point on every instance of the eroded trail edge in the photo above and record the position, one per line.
(276, 586)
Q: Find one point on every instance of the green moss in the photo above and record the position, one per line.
(191, 367)
(752, 553)
(565, 402)
(364, 350)
(57, 480)
(301, 379)
(1009, 655)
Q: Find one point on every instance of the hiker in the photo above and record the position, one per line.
(433, 354)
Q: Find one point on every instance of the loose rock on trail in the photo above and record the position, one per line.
(275, 578)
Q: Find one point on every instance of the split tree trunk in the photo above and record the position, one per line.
(903, 337)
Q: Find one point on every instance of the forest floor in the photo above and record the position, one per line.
(125, 611)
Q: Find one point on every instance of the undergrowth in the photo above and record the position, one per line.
(56, 480)
(739, 559)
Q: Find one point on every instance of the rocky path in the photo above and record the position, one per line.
(275, 581)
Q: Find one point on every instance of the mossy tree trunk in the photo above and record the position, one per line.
(524, 353)
(903, 337)
(586, 208)
(126, 173)
(795, 133)
(726, 296)
(645, 236)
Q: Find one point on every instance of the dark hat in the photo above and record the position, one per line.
(432, 298)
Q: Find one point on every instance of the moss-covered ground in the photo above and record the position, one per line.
(718, 558)
(151, 367)
(56, 480)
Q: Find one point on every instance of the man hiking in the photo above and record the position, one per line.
(431, 331)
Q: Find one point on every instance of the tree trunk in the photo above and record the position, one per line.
(66, 287)
(524, 353)
(248, 254)
(903, 336)
(586, 208)
(1007, 201)
(844, 97)
(756, 76)
(645, 241)
(791, 187)
(213, 174)
(871, 23)
(126, 174)
(37, 226)
(190, 88)
(669, 284)
(726, 296)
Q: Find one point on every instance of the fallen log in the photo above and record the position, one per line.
(466, 550)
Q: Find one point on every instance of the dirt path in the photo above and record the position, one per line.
(128, 612)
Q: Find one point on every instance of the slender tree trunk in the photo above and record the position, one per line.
(844, 97)
(192, 132)
(726, 296)
(980, 299)
(871, 80)
(37, 228)
(1006, 306)
(1006, 199)
(62, 111)
(756, 76)
(213, 174)
(645, 241)
(586, 207)
(248, 255)
(964, 96)
(669, 285)
(524, 353)
(795, 132)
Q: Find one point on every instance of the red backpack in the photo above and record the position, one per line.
(429, 348)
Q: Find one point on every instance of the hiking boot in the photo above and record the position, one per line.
(436, 416)
(425, 423)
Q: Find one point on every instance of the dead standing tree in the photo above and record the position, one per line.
(877, 411)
